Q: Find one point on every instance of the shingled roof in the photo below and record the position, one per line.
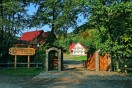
(74, 44)
(71, 46)
(30, 36)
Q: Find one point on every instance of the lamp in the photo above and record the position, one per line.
(37, 54)
(38, 45)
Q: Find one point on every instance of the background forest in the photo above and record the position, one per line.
(108, 26)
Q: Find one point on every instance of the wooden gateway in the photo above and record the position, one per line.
(98, 62)
(54, 59)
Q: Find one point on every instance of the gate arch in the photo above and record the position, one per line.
(54, 60)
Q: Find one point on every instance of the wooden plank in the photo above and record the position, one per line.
(46, 62)
(59, 61)
(101, 63)
(97, 60)
(28, 61)
(103, 66)
(21, 51)
(91, 62)
(109, 63)
(15, 61)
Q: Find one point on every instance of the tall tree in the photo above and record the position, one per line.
(58, 14)
(114, 22)
(12, 21)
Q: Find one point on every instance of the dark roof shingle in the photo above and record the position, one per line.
(29, 36)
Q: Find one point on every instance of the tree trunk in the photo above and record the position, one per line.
(117, 65)
(1, 28)
(53, 26)
(1, 17)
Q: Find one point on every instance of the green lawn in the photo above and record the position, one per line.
(20, 71)
(68, 56)
(75, 57)
(80, 58)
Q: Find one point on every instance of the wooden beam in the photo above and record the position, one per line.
(59, 61)
(15, 61)
(46, 62)
(28, 61)
(97, 60)
(109, 63)
(28, 58)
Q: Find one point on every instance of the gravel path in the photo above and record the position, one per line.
(75, 76)
(13, 81)
(81, 79)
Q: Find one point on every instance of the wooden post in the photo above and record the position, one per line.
(28, 58)
(46, 62)
(15, 65)
(117, 65)
(62, 67)
(15, 61)
(109, 63)
(59, 61)
(97, 60)
(28, 61)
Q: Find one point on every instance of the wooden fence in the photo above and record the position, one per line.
(98, 62)
(21, 65)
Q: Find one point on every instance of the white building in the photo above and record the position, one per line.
(77, 49)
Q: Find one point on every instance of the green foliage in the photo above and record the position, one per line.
(12, 19)
(64, 42)
(58, 14)
(41, 54)
(113, 23)
(4, 48)
(87, 38)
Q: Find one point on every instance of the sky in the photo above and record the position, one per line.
(32, 9)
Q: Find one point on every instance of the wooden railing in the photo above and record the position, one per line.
(19, 65)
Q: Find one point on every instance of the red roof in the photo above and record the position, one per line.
(29, 36)
(71, 46)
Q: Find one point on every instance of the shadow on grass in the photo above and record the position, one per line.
(20, 71)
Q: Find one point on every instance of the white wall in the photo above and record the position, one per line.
(78, 50)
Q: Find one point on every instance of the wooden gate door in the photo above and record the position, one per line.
(103, 63)
(91, 62)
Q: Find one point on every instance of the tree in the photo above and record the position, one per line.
(58, 14)
(113, 22)
(12, 20)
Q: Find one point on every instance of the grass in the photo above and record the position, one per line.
(20, 71)
(80, 58)
(74, 57)
(68, 56)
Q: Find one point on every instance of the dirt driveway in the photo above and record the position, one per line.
(74, 76)
(68, 79)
